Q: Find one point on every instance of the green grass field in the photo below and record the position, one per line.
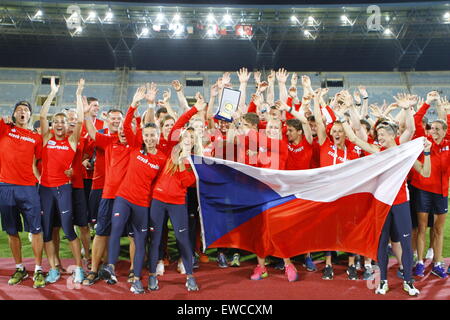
(173, 252)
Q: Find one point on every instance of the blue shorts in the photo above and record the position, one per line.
(15, 199)
(94, 204)
(59, 199)
(80, 208)
(414, 199)
(104, 217)
(430, 202)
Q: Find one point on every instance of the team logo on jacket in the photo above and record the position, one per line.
(13, 130)
(117, 214)
(51, 142)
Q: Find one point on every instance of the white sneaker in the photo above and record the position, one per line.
(430, 254)
(382, 287)
(160, 268)
(180, 267)
(409, 287)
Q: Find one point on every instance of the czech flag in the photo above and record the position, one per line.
(286, 213)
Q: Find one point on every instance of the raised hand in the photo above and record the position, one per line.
(243, 75)
(257, 76)
(271, 77)
(262, 86)
(53, 87)
(226, 78)
(282, 75)
(357, 97)
(256, 98)
(79, 88)
(363, 91)
(177, 86)
(306, 82)
(138, 96)
(375, 110)
(150, 93)
(166, 95)
(293, 92)
(294, 80)
(432, 96)
(200, 103)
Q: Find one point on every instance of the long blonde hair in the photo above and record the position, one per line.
(172, 164)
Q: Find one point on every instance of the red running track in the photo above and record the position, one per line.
(225, 284)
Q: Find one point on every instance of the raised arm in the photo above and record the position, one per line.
(75, 137)
(270, 98)
(45, 132)
(180, 94)
(406, 104)
(90, 128)
(185, 117)
(282, 76)
(213, 92)
(243, 76)
(166, 103)
(150, 97)
(354, 138)
(134, 139)
(300, 115)
(321, 130)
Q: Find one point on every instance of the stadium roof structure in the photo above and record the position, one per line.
(218, 36)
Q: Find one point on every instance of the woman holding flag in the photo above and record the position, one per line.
(398, 224)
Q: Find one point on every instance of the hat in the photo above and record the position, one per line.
(23, 103)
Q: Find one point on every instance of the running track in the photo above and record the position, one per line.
(224, 284)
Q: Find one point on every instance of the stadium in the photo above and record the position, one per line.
(292, 223)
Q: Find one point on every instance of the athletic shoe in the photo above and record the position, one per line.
(430, 254)
(180, 267)
(279, 266)
(91, 278)
(39, 279)
(236, 260)
(222, 261)
(203, 258)
(191, 284)
(52, 276)
(137, 287)
(368, 273)
(408, 286)
(419, 270)
(352, 273)
(439, 270)
(160, 268)
(195, 263)
(78, 275)
(102, 273)
(382, 287)
(18, 276)
(309, 264)
(130, 276)
(109, 274)
(153, 283)
(291, 272)
(400, 273)
(259, 273)
(328, 273)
